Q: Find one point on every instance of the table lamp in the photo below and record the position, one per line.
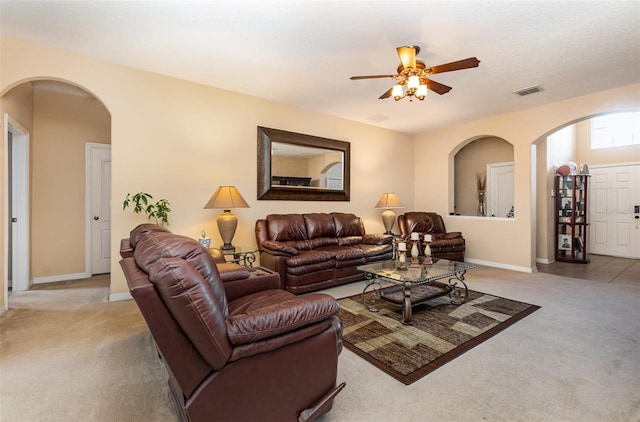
(227, 197)
(387, 201)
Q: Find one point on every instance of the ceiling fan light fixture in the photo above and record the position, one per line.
(421, 92)
(414, 82)
(397, 93)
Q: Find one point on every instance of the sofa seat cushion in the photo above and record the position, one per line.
(371, 251)
(270, 313)
(346, 255)
(306, 258)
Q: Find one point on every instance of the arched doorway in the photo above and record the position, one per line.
(61, 119)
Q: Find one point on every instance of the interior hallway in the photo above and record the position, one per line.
(607, 269)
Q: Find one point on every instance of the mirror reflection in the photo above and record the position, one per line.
(304, 166)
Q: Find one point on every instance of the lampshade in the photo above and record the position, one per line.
(387, 201)
(414, 82)
(227, 197)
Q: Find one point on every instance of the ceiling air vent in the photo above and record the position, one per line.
(527, 91)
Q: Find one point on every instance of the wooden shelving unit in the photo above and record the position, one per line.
(572, 225)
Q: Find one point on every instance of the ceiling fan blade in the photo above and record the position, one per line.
(387, 94)
(437, 87)
(459, 65)
(408, 56)
(354, 78)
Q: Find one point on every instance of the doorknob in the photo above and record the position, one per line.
(95, 217)
(14, 220)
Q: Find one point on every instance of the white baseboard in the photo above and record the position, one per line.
(63, 277)
(116, 297)
(545, 261)
(501, 265)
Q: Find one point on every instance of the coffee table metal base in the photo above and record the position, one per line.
(407, 295)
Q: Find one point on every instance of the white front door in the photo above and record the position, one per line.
(99, 205)
(614, 218)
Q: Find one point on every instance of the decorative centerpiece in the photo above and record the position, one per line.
(427, 249)
(402, 256)
(415, 251)
(481, 193)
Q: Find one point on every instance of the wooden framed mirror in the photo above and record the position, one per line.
(298, 167)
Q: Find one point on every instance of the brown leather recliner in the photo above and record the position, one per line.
(446, 245)
(251, 353)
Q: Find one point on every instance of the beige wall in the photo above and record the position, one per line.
(62, 125)
(181, 140)
(506, 242)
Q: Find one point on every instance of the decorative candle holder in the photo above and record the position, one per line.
(415, 251)
(402, 256)
(427, 249)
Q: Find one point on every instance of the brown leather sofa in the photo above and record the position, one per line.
(318, 250)
(252, 352)
(446, 245)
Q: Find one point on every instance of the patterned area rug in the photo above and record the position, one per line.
(440, 331)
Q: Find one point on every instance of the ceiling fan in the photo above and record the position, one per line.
(412, 75)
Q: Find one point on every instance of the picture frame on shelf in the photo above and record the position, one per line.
(564, 242)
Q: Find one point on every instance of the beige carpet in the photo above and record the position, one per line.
(68, 355)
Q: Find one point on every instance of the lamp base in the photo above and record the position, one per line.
(227, 248)
(388, 220)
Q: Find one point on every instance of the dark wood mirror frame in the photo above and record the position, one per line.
(286, 193)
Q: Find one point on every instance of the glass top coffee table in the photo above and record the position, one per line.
(414, 285)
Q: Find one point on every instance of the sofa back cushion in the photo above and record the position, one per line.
(319, 225)
(161, 244)
(193, 305)
(285, 227)
(347, 224)
(424, 222)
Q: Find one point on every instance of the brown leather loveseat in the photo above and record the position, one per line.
(446, 245)
(318, 250)
(250, 353)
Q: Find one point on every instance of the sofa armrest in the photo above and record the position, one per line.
(452, 235)
(230, 271)
(276, 312)
(377, 239)
(278, 248)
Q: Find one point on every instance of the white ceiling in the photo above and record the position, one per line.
(303, 52)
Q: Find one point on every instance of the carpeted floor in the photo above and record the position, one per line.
(439, 332)
(66, 354)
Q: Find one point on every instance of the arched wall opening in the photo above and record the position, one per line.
(568, 142)
(61, 118)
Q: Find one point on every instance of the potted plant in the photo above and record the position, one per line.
(141, 203)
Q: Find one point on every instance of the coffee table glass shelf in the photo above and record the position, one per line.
(414, 285)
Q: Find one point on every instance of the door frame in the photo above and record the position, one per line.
(89, 146)
(19, 200)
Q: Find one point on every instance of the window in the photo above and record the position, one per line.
(615, 130)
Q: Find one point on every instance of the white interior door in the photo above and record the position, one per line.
(614, 196)
(17, 201)
(500, 189)
(99, 207)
